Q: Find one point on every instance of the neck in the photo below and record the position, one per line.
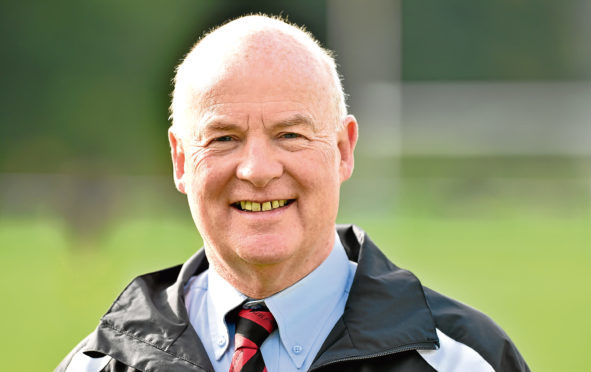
(259, 281)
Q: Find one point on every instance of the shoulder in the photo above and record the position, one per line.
(465, 331)
(149, 311)
(468, 339)
(137, 293)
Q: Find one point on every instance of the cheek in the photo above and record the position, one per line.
(207, 175)
(318, 173)
(328, 166)
(207, 185)
(327, 185)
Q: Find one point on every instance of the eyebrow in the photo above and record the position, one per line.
(219, 126)
(297, 119)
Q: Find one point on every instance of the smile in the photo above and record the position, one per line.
(252, 206)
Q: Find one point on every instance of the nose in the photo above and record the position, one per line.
(259, 164)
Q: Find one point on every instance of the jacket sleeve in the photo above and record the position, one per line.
(477, 331)
(77, 361)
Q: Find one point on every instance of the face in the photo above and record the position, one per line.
(262, 166)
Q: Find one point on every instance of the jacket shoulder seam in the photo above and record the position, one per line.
(137, 339)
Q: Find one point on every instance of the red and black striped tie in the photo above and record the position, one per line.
(252, 328)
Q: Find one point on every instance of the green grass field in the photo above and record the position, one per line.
(524, 263)
(531, 276)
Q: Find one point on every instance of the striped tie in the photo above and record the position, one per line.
(252, 328)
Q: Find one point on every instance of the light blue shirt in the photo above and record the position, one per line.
(305, 313)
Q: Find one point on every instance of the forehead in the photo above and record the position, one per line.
(262, 88)
(275, 71)
(272, 114)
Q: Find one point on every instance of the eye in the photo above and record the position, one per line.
(290, 135)
(223, 139)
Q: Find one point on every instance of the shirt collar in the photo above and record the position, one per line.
(222, 298)
(307, 304)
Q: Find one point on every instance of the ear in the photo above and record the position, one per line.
(347, 139)
(178, 159)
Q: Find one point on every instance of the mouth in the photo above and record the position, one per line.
(252, 206)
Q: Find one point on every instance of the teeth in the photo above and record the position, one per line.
(252, 206)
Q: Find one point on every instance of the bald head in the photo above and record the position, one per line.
(249, 47)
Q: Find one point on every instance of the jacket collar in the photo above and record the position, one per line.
(386, 311)
(147, 327)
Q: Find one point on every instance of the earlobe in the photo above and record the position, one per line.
(178, 159)
(347, 139)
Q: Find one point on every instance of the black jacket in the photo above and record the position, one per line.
(389, 321)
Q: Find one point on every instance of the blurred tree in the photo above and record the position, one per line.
(85, 85)
(479, 40)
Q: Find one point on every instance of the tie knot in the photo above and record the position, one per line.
(253, 327)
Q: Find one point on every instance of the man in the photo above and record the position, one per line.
(261, 143)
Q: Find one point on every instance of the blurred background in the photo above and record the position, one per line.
(473, 167)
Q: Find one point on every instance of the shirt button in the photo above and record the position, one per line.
(221, 341)
(297, 349)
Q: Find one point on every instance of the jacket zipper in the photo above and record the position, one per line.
(417, 346)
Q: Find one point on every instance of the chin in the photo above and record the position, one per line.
(265, 253)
